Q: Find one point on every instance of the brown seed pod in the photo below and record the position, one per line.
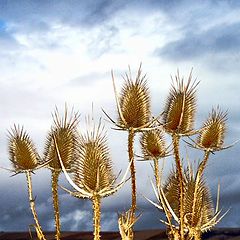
(134, 102)
(22, 151)
(93, 168)
(214, 129)
(65, 132)
(153, 144)
(198, 206)
(180, 107)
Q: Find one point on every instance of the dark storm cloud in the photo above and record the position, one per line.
(217, 40)
(15, 211)
(37, 16)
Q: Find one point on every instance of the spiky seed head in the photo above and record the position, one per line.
(65, 132)
(153, 144)
(135, 101)
(180, 107)
(22, 151)
(93, 169)
(214, 129)
(195, 215)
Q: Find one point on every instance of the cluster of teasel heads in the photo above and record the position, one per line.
(85, 158)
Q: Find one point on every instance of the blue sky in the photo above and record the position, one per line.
(57, 52)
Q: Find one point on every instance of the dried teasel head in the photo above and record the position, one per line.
(198, 205)
(153, 144)
(22, 151)
(134, 102)
(214, 129)
(92, 171)
(180, 107)
(65, 133)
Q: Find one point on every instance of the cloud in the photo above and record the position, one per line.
(223, 39)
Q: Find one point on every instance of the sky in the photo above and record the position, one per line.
(56, 52)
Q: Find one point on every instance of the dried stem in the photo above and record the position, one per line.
(96, 217)
(32, 206)
(156, 172)
(175, 139)
(201, 168)
(202, 165)
(55, 175)
(132, 169)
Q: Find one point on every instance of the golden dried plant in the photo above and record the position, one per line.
(214, 128)
(25, 159)
(199, 214)
(126, 221)
(154, 147)
(92, 173)
(64, 133)
(180, 108)
(134, 115)
(178, 120)
(134, 102)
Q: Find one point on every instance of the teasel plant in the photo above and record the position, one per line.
(92, 172)
(211, 138)
(178, 120)
(199, 213)
(25, 159)
(134, 115)
(154, 147)
(64, 134)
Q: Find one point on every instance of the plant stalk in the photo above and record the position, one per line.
(156, 172)
(202, 165)
(200, 171)
(97, 217)
(55, 175)
(32, 206)
(133, 170)
(179, 168)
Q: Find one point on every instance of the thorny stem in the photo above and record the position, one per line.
(203, 165)
(32, 206)
(175, 139)
(156, 172)
(133, 170)
(96, 217)
(201, 168)
(55, 175)
(197, 236)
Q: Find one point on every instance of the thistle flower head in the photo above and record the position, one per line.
(180, 107)
(134, 102)
(22, 151)
(65, 132)
(92, 171)
(213, 133)
(198, 206)
(153, 144)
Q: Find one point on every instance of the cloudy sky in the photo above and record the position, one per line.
(57, 52)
